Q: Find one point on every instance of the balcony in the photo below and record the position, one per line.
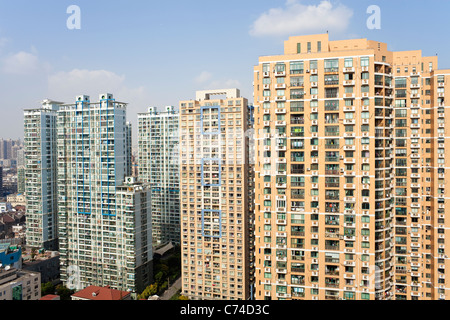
(297, 84)
(349, 82)
(349, 69)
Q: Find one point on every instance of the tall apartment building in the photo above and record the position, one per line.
(38, 175)
(158, 164)
(350, 172)
(6, 148)
(128, 149)
(95, 247)
(214, 179)
(134, 224)
(1, 181)
(20, 179)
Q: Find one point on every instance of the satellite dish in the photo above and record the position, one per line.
(7, 268)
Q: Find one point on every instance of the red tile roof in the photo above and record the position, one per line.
(49, 297)
(101, 293)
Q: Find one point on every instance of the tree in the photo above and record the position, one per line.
(149, 291)
(47, 288)
(33, 254)
(159, 278)
(64, 292)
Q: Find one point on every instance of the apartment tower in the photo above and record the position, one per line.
(95, 247)
(214, 180)
(38, 176)
(350, 172)
(158, 165)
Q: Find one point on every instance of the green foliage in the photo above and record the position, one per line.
(64, 292)
(163, 269)
(179, 296)
(148, 292)
(47, 288)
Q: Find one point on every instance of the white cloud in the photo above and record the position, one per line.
(203, 77)
(298, 19)
(225, 84)
(21, 63)
(3, 42)
(76, 82)
(65, 86)
(68, 85)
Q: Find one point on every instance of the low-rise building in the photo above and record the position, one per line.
(50, 297)
(101, 293)
(19, 284)
(10, 256)
(16, 199)
(46, 263)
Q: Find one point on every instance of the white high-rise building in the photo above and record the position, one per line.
(40, 170)
(92, 165)
(134, 238)
(159, 167)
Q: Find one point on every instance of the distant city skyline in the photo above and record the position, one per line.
(148, 55)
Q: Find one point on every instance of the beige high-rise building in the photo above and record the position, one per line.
(350, 171)
(214, 196)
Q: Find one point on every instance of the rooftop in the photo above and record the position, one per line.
(50, 297)
(100, 293)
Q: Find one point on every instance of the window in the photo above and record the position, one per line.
(299, 47)
(296, 67)
(332, 65)
(280, 67)
(348, 62)
(400, 83)
(319, 46)
(309, 47)
(365, 115)
(364, 61)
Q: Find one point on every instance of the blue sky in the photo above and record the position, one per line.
(156, 53)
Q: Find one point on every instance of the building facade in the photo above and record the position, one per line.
(19, 284)
(158, 165)
(92, 165)
(214, 179)
(38, 177)
(349, 172)
(134, 222)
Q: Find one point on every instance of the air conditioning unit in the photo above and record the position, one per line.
(307, 71)
(130, 180)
